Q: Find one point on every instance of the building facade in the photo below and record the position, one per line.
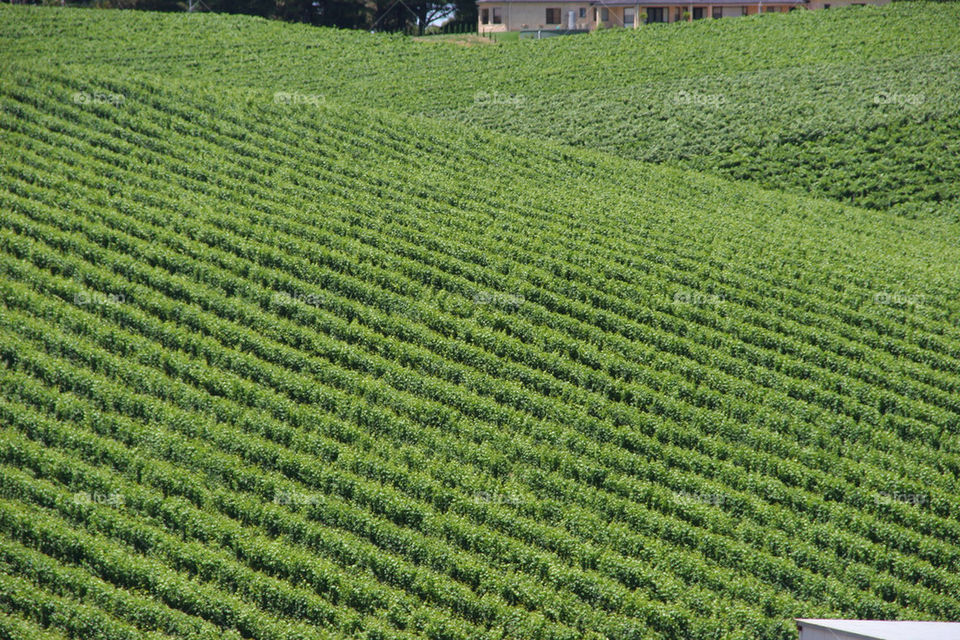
(824, 629)
(520, 15)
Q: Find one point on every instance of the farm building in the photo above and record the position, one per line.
(813, 629)
(587, 15)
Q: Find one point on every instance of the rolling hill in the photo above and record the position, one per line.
(860, 105)
(325, 366)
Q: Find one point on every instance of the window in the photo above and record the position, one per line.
(628, 16)
(583, 12)
(485, 16)
(769, 9)
(826, 6)
(655, 14)
(553, 16)
(605, 14)
(718, 12)
(698, 13)
(497, 16)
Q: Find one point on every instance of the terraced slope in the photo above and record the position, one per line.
(314, 371)
(860, 105)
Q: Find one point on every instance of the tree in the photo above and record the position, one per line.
(378, 15)
(465, 12)
(346, 14)
(395, 15)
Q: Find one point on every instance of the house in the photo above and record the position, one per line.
(519, 15)
(814, 629)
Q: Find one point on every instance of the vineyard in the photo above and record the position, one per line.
(860, 105)
(278, 364)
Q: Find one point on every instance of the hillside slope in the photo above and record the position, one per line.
(310, 371)
(861, 105)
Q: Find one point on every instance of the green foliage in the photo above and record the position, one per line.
(857, 105)
(295, 369)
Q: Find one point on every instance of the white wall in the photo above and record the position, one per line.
(811, 633)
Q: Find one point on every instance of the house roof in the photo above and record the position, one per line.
(686, 3)
(887, 629)
(648, 3)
